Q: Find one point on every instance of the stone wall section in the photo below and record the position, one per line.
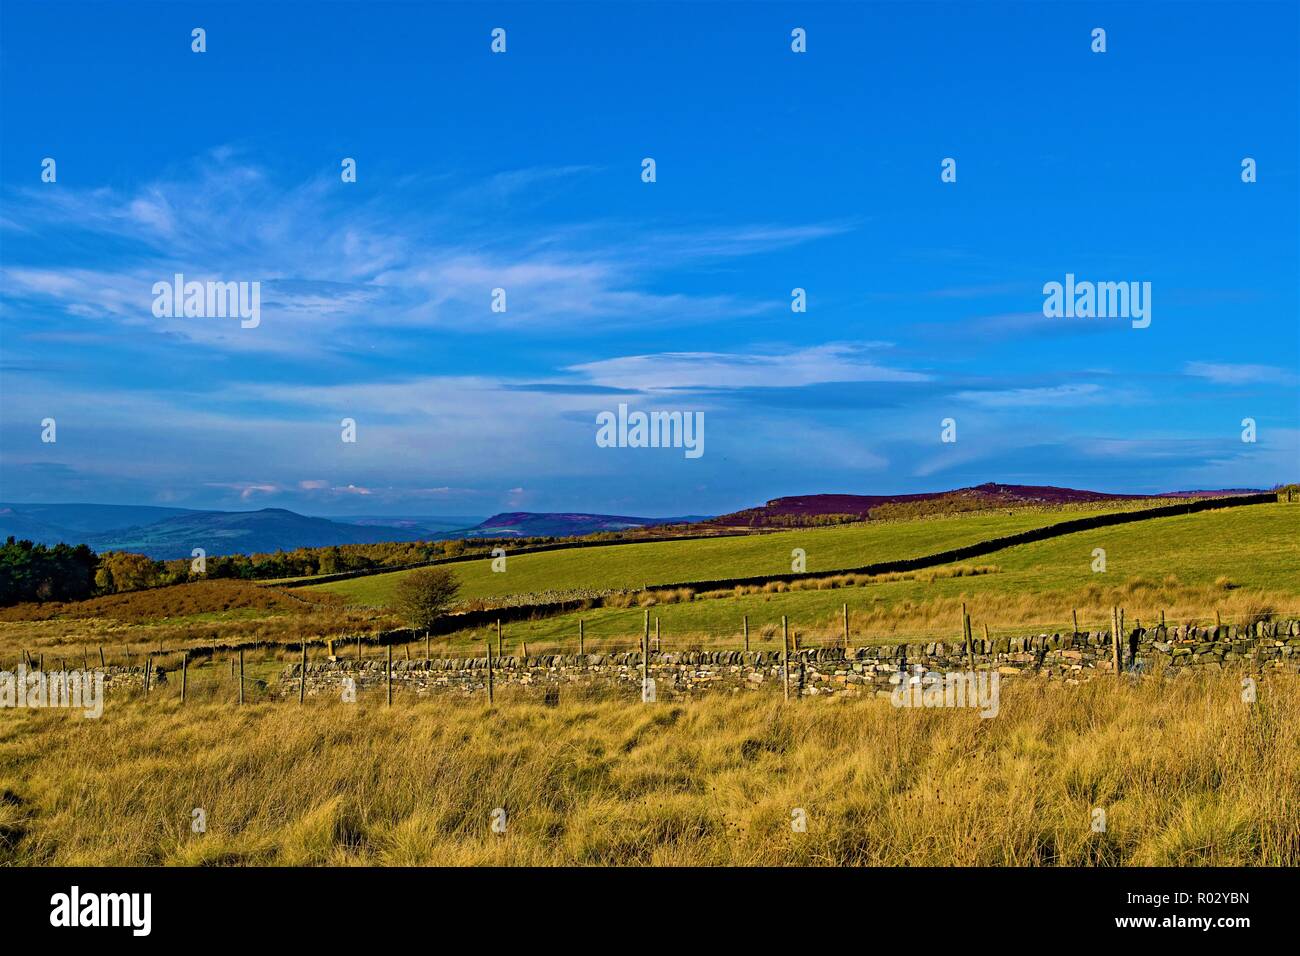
(1158, 651)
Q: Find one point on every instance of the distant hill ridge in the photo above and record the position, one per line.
(168, 533)
(217, 532)
(531, 524)
(798, 509)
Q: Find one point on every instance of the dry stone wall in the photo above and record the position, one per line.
(1158, 651)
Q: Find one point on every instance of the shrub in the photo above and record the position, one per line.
(425, 594)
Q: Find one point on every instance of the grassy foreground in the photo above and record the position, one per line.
(1185, 771)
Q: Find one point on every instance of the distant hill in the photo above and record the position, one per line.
(530, 524)
(429, 526)
(176, 532)
(823, 509)
(241, 532)
(21, 526)
(52, 523)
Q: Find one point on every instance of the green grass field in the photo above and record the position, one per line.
(1237, 562)
(1169, 564)
(669, 562)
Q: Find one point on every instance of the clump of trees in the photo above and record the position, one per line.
(124, 571)
(761, 518)
(948, 503)
(425, 594)
(36, 572)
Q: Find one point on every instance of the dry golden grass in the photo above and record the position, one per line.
(173, 601)
(193, 615)
(1143, 600)
(1186, 772)
(922, 615)
(712, 622)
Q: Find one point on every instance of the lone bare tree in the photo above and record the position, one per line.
(424, 595)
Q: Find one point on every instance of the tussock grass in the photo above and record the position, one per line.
(1187, 774)
(181, 616)
(194, 600)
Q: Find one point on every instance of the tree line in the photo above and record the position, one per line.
(63, 572)
(37, 572)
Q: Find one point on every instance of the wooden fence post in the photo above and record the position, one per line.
(645, 657)
(846, 625)
(102, 662)
(489, 671)
(498, 637)
(185, 673)
(658, 646)
(785, 657)
(745, 623)
(148, 670)
(582, 641)
(358, 645)
(388, 673)
(241, 675)
(1074, 616)
(1114, 633)
(302, 680)
(965, 636)
(426, 648)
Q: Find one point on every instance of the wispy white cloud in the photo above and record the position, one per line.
(727, 370)
(247, 490)
(1222, 373)
(330, 260)
(739, 240)
(1056, 396)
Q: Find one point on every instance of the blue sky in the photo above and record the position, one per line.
(522, 170)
